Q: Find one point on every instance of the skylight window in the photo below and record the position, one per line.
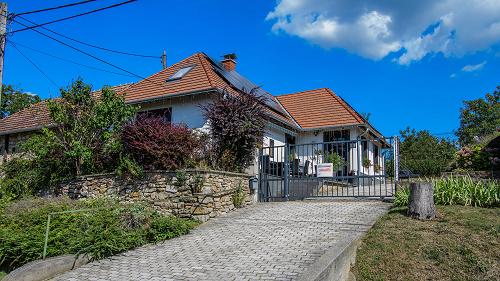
(180, 73)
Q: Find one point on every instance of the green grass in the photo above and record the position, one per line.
(465, 191)
(462, 244)
(2, 274)
(108, 229)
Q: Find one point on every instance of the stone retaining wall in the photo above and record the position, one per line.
(199, 194)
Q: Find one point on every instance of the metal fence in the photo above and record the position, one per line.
(350, 168)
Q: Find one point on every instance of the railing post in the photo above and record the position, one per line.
(396, 162)
(260, 167)
(286, 171)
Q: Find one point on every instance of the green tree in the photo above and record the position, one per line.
(14, 100)
(85, 139)
(479, 117)
(425, 154)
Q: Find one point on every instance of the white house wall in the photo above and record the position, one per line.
(185, 110)
(279, 138)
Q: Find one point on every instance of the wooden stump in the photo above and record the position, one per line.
(421, 205)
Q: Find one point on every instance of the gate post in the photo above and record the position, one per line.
(396, 162)
(260, 195)
(286, 172)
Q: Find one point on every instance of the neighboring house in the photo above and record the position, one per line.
(309, 117)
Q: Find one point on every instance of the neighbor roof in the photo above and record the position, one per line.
(319, 108)
(35, 116)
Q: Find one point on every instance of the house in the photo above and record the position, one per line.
(307, 126)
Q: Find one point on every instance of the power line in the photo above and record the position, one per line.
(34, 64)
(68, 60)
(91, 45)
(54, 8)
(90, 55)
(74, 16)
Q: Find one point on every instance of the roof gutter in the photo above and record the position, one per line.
(168, 96)
(347, 126)
(30, 129)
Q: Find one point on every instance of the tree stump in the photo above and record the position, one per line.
(421, 205)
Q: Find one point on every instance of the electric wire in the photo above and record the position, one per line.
(68, 60)
(92, 56)
(55, 8)
(73, 16)
(91, 45)
(34, 64)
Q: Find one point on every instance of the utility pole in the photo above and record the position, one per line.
(3, 39)
(164, 59)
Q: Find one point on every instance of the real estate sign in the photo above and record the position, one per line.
(325, 170)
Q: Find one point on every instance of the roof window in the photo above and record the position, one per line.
(180, 73)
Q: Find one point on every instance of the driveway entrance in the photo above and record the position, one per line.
(348, 168)
(267, 241)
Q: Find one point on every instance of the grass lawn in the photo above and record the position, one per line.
(2, 274)
(462, 244)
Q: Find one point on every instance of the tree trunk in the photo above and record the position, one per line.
(421, 204)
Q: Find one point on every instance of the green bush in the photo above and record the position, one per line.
(465, 191)
(238, 197)
(108, 229)
(402, 197)
(473, 158)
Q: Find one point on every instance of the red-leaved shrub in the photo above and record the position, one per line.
(158, 145)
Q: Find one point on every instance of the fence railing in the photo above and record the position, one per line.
(329, 169)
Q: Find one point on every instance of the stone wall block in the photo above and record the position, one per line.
(161, 190)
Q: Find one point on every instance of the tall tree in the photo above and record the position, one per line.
(425, 154)
(479, 117)
(14, 100)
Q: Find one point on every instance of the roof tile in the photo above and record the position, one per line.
(319, 108)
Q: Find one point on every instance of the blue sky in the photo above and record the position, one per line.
(404, 69)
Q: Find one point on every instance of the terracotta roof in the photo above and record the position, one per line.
(205, 75)
(35, 116)
(319, 108)
(200, 77)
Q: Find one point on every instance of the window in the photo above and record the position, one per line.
(339, 135)
(180, 73)
(6, 145)
(164, 113)
(271, 148)
(333, 136)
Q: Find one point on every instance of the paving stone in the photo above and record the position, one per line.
(267, 241)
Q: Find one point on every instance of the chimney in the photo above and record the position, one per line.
(229, 61)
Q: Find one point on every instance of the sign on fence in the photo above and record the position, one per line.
(325, 170)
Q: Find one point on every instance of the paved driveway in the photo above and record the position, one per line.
(268, 241)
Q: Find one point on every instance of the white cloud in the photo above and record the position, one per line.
(374, 29)
(453, 75)
(473, 67)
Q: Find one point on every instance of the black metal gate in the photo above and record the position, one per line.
(350, 168)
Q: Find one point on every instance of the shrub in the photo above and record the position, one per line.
(238, 196)
(109, 229)
(237, 124)
(402, 197)
(84, 139)
(159, 145)
(459, 191)
(337, 160)
(473, 158)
